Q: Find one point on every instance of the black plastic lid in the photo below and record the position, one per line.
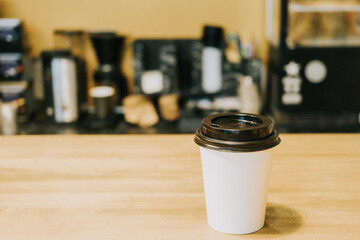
(237, 132)
(212, 36)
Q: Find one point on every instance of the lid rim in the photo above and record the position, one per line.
(237, 132)
(237, 146)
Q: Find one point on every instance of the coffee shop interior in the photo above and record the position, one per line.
(133, 67)
(179, 119)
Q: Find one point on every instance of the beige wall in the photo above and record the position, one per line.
(135, 18)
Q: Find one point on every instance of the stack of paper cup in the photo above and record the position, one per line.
(236, 154)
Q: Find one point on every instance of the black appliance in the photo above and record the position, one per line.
(109, 50)
(314, 68)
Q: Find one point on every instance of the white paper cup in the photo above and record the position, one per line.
(236, 172)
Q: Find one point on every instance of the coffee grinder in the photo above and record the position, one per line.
(109, 50)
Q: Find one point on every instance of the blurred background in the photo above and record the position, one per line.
(121, 66)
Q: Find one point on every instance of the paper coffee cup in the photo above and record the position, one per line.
(236, 152)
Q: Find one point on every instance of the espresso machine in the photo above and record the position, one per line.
(314, 60)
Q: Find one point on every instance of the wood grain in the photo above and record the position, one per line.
(150, 187)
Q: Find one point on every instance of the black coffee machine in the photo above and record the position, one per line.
(314, 69)
(109, 51)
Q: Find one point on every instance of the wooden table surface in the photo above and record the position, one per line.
(150, 187)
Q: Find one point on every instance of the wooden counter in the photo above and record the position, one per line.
(150, 187)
